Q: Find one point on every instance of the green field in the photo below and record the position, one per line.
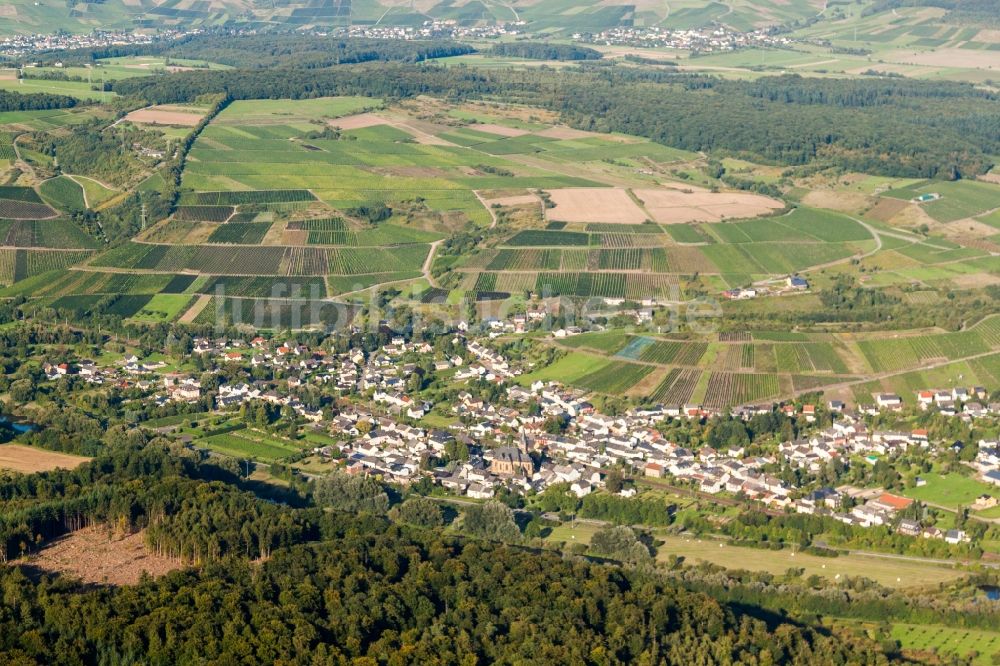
(958, 199)
(886, 571)
(162, 307)
(951, 490)
(251, 444)
(949, 641)
(80, 90)
(63, 193)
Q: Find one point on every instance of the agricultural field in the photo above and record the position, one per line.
(949, 490)
(29, 459)
(885, 571)
(63, 193)
(162, 308)
(956, 200)
(738, 369)
(948, 641)
(248, 443)
(639, 261)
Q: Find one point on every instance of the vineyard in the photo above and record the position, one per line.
(204, 213)
(545, 238)
(16, 265)
(526, 260)
(892, 354)
(15, 193)
(677, 387)
(668, 352)
(808, 357)
(323, 224)
(57, 233)
(728, 389)
(121, 305)
(241, 233)
(241, 198)
(276, 314)
(64, 193)
(25, 210)
(266, 287)
(630, 286)
(93, 282)
(614, 378)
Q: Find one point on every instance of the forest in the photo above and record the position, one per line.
(342, 586)
(545, 51)
(13, 101)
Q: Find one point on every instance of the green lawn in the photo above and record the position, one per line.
(566, 370)
(950, 490)
(574, 533)
(162, 307)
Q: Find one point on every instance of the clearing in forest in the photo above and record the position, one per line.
(92, 555)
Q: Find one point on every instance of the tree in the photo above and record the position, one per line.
(619, 543)
(614, 481)
(492, 520)
(345, 492)
(419, 511)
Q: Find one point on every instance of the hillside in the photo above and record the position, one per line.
(549, 17)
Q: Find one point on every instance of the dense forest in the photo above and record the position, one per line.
(340, 586)
(893, 127)
(13, 101)
(544, 51)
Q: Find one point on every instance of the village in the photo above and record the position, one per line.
(530, 437)
(701, 40)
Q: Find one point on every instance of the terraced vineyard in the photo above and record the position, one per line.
(677, 387)
(640, 261)
(263, 260)
(614, 378)
(729, 388)
(245, 233)
(737, 369)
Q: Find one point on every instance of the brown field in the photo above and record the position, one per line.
(676, 206)
(987, 35)
(965, 58)
(500, 130)
(295, 237)
(195, 309)
(991, 177)
(517, 200)
(358, 121)
(583, 204)
(846, 202)
(886, 209)
(8, 75)
(158, 116)
(93, 556)
(28, 460)
(568, 133)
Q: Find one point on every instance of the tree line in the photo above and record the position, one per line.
(14, 101)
